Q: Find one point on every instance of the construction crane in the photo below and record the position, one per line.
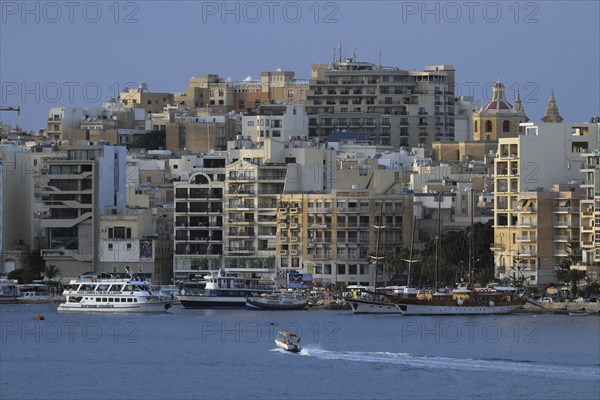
(17, 109)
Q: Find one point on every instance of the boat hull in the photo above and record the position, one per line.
(292, 348)
(202, 302)
(276, 307)
(448, 309)
(34, 300)
(8, 299)
(153, 307)
(372, 307)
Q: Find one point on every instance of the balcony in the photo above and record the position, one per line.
(525, 238)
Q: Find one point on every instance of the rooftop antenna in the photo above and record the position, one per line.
(354, 55)
(334, 55)
(340, 51)
(380, 58)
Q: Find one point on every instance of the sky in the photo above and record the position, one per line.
(81, 53)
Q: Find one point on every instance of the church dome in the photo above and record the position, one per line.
(498, 101)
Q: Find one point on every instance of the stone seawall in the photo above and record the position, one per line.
(563, 308)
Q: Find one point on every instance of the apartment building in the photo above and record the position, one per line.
(199, 219)
(590, 213)
(151, 102)
(222, 95)
(81, 187)
(524, 236)
(257, 177)
(137, 240)
(275, 121)
(201, 133)
(396, 107)
(335, 235)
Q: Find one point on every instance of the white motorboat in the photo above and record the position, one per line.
(288, 341)
(34, 293)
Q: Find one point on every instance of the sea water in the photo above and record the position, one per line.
(230, 354)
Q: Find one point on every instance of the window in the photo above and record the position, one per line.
(250, 123)
(488, 126)
(476, 126)
(110, 247)
(506, 126)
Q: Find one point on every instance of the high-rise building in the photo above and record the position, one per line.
(527, 242)
(395, 107)
(590, 213)
(86, 184)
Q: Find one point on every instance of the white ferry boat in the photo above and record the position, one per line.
(223, 291)
(9, 291)
(113, 295)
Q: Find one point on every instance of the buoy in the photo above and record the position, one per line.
(460, 302)
(38, 317)
(491, 303)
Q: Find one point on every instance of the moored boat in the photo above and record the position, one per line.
(90, 293)
(580, 313)
(277, 302)
(223, 291)
(9, 291)
(288, 341)
(501, 300)
(381, 301)
(35, 293)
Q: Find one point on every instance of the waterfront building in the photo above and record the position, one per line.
(524, 234)
(590, 213)
(81, 187)
(138, 240)
(199, 219)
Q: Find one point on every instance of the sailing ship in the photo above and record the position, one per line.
(381, 300)
(463, 300)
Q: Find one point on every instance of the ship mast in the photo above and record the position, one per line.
(412, 244)
(379, 228)
(437, 243)
(471, 243)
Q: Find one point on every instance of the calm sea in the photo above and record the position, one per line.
(217, 354)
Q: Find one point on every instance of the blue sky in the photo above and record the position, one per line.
(78, 54)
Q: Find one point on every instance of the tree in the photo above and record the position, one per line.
(22, 275)
(565, 273)
(52, 271)
(394, 265)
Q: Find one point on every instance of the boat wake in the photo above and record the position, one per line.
(462, 364)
